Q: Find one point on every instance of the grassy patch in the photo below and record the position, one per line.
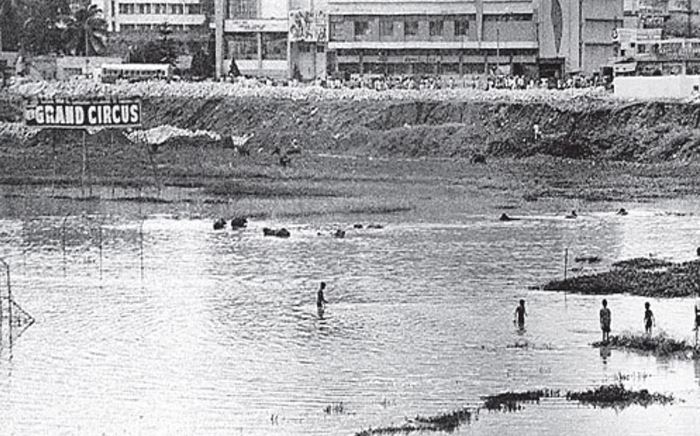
(641, 276)
(446, 422)
(512, 401)
(618, 396)
(257, 188)
(659, 345)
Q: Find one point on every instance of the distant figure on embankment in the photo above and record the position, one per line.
(649, 320)
(605, 318)
(520, 314)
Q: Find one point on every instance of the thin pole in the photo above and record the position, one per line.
(84, 168)
(141, 245)
(566, 261)
(9, 298)
(100, 241)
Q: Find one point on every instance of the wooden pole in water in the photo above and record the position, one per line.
(566, 261)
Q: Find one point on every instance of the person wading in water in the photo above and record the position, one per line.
(605, 318)
(520, 314)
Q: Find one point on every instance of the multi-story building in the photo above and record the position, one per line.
(255, 34)
(312, 38)
(124, 15)
(477, 36)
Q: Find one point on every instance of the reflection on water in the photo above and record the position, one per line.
(168, 327)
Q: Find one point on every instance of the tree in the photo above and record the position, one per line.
(160, 51)
(86, 31)
(42, 32)
(10, 19)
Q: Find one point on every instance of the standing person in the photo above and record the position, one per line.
(697, 320)
(605, 318)
(320, 298)
(649, 319)
(520, 314)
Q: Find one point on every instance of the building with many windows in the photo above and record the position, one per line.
(312, 38)
(125, 15)
(449, 37)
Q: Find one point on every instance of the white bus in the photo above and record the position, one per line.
(110, 73)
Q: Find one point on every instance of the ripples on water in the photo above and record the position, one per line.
(200, 332)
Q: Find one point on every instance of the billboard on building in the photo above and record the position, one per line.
(307, 26)
(57, 114)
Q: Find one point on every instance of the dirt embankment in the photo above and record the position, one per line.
(579, 128)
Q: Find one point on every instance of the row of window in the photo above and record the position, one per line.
(159, 9)
(242, 9)
(176, 27)
(245, 46)
(410, 28)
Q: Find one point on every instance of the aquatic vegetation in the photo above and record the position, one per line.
(512, 401)
(642, 263)
(659, 345)
(446, 422)
(334, 408)
(589, 259)
(616, 395)
(641, 276)
(403, 429)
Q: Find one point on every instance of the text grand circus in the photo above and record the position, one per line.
(67, 115)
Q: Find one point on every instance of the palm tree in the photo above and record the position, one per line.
(9, 10)
(86, 31)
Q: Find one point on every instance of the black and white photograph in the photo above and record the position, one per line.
(350, 217)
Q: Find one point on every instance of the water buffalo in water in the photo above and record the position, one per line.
(281, 233)
(572, 215)
(339, 234)
(622, 212)
(375, 226)
(505, 217)
(478, 158)
(219, 224)
(239, 223)
(357, 226)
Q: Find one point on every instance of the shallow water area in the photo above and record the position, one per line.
(150, 322)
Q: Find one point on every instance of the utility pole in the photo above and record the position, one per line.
(219, 36)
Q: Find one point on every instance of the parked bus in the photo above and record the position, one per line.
(135, 72)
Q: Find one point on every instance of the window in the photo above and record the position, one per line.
(244, 46)
(194, 9)
(386, 28)
(461, 27)
(274, 46)
(436, 28)
(242, 8)
(410, 28)
(320, 48)
(361, 28)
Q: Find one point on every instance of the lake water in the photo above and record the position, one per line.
(177, 329)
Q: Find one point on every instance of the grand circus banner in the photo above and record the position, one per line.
(57, 114)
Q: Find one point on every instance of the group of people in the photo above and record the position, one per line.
(606, 318)
(380, 82)
(521, 313)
